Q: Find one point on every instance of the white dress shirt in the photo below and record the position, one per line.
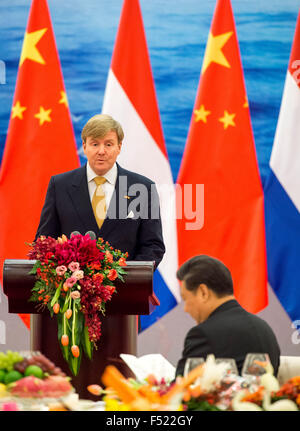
(108, 186)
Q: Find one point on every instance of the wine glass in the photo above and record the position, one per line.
(254, 367)
(231, 367)
(192, 363)
(255, 364)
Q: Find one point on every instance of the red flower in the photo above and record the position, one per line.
(111, 289)
(106, 292)
(42, 248)
(109, 256)
(112, 275)
(122, 261)
(80, 249)
(98, 278)
(95, 266)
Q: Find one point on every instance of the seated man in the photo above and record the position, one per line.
(224, 328)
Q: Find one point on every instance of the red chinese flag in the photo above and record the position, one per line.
(220, 154)
(40, 140)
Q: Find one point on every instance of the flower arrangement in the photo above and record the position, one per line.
(123, 394)
(209, 387)
(289, 390)
(75, 279)
(288, 396)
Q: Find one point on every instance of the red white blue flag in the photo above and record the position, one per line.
(130, 98)
(282, 193)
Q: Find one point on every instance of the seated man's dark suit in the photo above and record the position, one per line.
(230, 332)
(128, 225)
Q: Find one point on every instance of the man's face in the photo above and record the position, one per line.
(192, 302)
(102, 152)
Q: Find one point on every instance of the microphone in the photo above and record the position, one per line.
(75, 232)
(91, 234)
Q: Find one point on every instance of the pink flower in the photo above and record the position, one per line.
(70, 281)
(73, 266)
(60, 270)
(78, 274)
(75, 294)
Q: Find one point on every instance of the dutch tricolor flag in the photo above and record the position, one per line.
(130, 98)
(282, 193)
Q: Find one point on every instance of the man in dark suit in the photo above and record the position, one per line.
(224, 328)
(129, 218)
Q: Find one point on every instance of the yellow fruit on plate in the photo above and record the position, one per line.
(2, 390)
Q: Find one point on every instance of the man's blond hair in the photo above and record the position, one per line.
(99, 125)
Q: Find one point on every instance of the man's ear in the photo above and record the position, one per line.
(204, 292)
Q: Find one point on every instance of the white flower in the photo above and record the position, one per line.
(78, 274)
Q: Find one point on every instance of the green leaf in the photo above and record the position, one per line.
(87, 344)
(79, 327)
(66, 303)
(74, 364)
(34, 268)
(65, 352)
(56, 295)
(60, 332)
(50, 309)
(201, 405)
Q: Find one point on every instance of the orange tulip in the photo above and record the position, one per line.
(68, 313)
(64, 340)
(94, 389)
(56, 307)
(75, 351)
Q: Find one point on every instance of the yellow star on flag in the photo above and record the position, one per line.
(246, 104)
(227, 119)
(17, 110)
(63, 98)
(201, 114)
(29, 49)
(43, 115)
(213, 52)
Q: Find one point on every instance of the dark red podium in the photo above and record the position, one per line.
(119, 325)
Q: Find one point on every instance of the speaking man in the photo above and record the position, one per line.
(120, 206)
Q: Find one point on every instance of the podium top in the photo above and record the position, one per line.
(134, 296)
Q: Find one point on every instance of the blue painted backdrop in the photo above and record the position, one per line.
(176, 32)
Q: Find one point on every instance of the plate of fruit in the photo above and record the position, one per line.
(29, 377)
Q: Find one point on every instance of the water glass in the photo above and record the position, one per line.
(192, 363)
